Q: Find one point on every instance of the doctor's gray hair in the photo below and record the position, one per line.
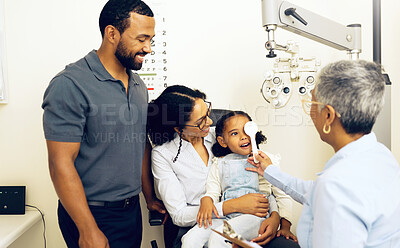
(355, 89)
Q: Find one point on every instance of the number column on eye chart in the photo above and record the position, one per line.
(154, 71)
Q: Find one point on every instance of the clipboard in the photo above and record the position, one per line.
(236, 241)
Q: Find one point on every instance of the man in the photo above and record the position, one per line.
(94, 121)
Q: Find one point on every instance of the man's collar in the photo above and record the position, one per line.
(97, 67)
(99, 70)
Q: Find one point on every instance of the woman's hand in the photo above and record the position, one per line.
(264, 162)
(268, 229)
(252, 203)
(205, 212)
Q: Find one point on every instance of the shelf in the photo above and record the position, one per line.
(13, 226)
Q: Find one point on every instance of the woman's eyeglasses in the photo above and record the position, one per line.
(203, 120)
(307, 106)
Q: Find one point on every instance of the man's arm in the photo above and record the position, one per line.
(69, 188)
(153, 204)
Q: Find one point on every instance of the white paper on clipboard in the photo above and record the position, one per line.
(241, 243)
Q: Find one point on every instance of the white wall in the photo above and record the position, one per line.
(216, 46)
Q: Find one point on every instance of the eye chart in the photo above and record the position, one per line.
(154, 72)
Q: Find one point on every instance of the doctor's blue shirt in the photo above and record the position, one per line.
(355, 201)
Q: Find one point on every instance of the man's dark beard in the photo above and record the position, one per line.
(126, 59)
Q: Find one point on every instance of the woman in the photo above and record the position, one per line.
(355, 200)
(179, 127)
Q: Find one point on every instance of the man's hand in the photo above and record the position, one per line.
(205, 212)
(268, 229)
(93, 239)
(264, 162)
(156, 205)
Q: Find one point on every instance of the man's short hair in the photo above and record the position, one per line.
(118, 12)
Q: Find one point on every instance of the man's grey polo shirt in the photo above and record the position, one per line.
(85, 104)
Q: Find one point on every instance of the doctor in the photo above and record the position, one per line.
(355, 200)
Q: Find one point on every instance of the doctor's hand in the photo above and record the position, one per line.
(264, 162)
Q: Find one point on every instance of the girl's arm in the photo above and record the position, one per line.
(213, 185)
(283, 200)
(213, 194)
(285, 230)
(285, 206)
(284, 203)
(273, 206)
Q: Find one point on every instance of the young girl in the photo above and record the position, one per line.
(228, 179)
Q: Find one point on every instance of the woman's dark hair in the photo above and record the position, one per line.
(117, 13)
(220, 151)
(172, 109)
